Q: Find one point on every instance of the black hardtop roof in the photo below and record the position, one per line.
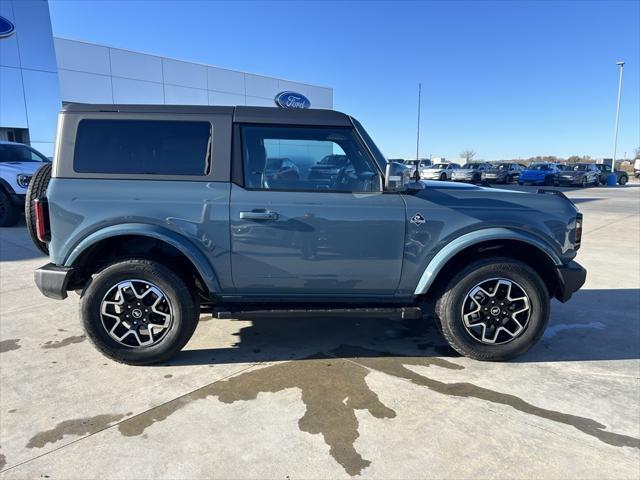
(240, 114)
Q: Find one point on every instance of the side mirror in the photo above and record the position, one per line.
(396, 177)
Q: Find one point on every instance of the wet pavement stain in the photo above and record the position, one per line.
(64, 342)
(469, 390)
(8, 345)
(332, 389)
(79, 426)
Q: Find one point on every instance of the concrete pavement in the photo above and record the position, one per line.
(332, 397)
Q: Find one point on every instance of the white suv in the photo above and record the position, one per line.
(18, 163)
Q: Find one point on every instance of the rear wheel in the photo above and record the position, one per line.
(139, 312)
(9, 213)
(493, 310)
(37, 189)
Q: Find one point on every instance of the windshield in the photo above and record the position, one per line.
(472, 166)
(413, 163)
(19, 153)
(540, 166)
(439, 166)
(503, 166)
(377, 154)
(581, 167)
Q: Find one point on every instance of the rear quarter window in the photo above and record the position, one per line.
(143, 147)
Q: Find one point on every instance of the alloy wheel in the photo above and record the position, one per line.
(136, 313)
(496, 311)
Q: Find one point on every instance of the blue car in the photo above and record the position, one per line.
(540, 174)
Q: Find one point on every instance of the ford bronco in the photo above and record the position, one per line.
(154, 214)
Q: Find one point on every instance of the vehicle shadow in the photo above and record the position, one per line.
(594, 325)
(15, 244)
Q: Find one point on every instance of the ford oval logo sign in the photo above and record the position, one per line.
(6, 28)
(292, 100)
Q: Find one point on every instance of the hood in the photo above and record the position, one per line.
(467, 196)
(20, 167)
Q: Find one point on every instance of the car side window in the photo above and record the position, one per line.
(315, 159)
(143, 147)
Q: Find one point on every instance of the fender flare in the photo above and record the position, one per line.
(472, 238)
(185, 246)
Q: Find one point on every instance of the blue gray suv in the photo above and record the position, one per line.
(155, 214)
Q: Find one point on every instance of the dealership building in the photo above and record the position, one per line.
(38, 72)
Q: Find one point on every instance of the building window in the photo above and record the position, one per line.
(143, 147)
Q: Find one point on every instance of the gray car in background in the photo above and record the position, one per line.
(505, 172)
(151, 241)
(470, 172)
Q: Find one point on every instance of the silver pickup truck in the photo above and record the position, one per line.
(155, 214)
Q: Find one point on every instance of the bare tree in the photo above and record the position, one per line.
(468, 155)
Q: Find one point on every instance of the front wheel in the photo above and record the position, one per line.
(495, 309)
(443, 176)
(623, 180)
(139, 312)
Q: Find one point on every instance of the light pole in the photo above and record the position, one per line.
(418, 135)
(615, 137)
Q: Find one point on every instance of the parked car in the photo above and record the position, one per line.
(541, 173)
(439, 171)
(150, 242)
(470, 172)
(502, 173)
(419, 165)
(18, 162)
(622, 177)
(580, 175)
(327, 169)
(636, 168)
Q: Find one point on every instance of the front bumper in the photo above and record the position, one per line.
(570, 278)
(52, 280)
(532, 181)
(493, 178)
(569, 181)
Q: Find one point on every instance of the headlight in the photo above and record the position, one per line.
(23, 180)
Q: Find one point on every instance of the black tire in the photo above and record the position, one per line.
(623, 180)
(37, 189)
(9, 213)
(584, 182)
(183, 301)
(449, 308)
(443, 176)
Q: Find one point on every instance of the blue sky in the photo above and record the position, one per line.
(506, 79)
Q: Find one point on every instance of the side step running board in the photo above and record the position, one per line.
(403, 313)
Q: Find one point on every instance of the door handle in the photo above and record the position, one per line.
(259, 215)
